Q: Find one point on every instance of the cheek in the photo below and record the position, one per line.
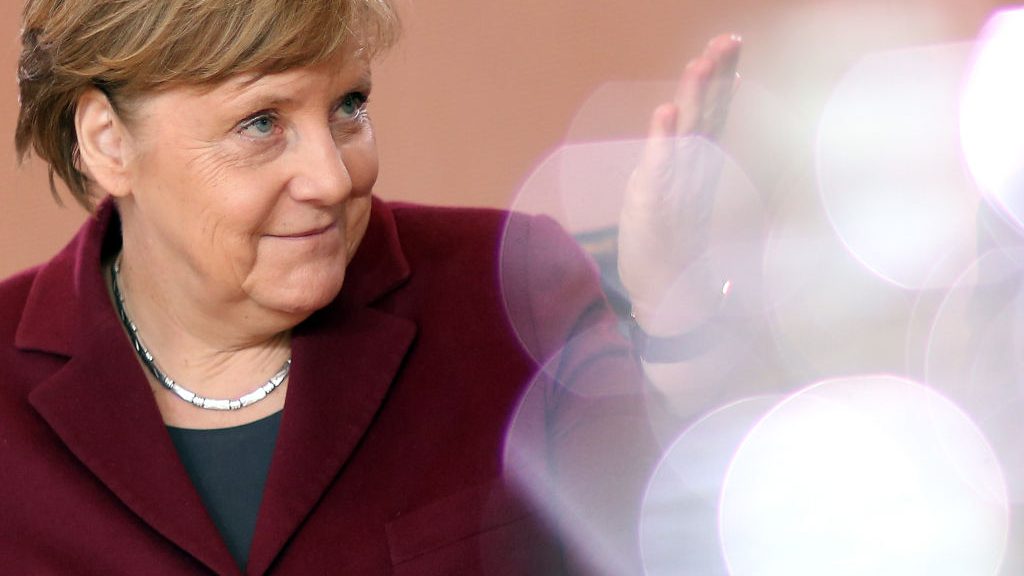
(178, 208)
(231, 219)
(361, 163)
(231, 215)
(357, 218)
(210, 192)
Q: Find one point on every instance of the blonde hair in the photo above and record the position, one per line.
(129, 47)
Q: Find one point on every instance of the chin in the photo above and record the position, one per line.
(303, 307)
(301, 298)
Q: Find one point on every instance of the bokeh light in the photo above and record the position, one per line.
(578, 448)
(864, 475)
(679, 522)
(828, 314)
(618, 110)
(992, 117)
(840, 239)
(889, 169)
(581, 187)
(975, 354)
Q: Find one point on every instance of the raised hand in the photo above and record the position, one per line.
(664, 227)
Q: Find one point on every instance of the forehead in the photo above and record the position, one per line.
(343, 71)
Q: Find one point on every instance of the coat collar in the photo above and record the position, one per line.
(101, 407)
(72, 281)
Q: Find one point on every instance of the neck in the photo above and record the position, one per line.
(226, 369)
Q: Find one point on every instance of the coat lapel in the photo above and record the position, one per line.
(100, 404)
(101, 407)
(340, 376)
(344, 359)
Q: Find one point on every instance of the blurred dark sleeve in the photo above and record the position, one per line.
(581, 447)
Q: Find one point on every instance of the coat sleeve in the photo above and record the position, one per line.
(581, 446)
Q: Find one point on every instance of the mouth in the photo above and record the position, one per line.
(311, 233)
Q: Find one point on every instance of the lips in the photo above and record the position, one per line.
(308, 233)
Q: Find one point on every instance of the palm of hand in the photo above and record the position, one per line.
(664, 227)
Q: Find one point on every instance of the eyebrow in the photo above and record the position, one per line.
(362, 83)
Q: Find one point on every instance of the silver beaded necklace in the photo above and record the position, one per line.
(184, 393)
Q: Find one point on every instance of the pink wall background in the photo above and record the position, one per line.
(478, 92)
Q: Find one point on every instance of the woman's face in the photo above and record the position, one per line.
(257, 191)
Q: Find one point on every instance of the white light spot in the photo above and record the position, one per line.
(868, 475)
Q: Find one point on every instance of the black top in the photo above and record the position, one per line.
(229, 468)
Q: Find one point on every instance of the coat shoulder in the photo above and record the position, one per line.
(445, 224)
(503, 234)
(14, 293)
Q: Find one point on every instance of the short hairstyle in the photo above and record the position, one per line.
(130, 47)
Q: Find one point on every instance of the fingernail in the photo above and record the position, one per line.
(736, 38)
(668, 124)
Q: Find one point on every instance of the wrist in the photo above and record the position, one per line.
(683, 327)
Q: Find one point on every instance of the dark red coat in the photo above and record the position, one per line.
(390, 454)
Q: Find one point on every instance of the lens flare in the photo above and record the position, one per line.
(830, 315)
(889, 169)
(618, 110)
(992, 117)
(864, 475)
(579, 449)
(679, 522)
(975, 357)
(581, 187)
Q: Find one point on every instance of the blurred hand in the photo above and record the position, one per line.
(664, 226)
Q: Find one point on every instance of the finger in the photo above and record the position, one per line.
(692, 93)
(723, 53)
(661, 132)
(724, 50)
(656, 162)
(663, 121)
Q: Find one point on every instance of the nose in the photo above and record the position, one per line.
(321, 176)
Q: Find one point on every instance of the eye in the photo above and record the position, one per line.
(260, 126)
(352, 105)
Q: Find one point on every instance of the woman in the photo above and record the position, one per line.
(244, 362)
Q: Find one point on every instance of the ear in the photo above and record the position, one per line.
(102, 143)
